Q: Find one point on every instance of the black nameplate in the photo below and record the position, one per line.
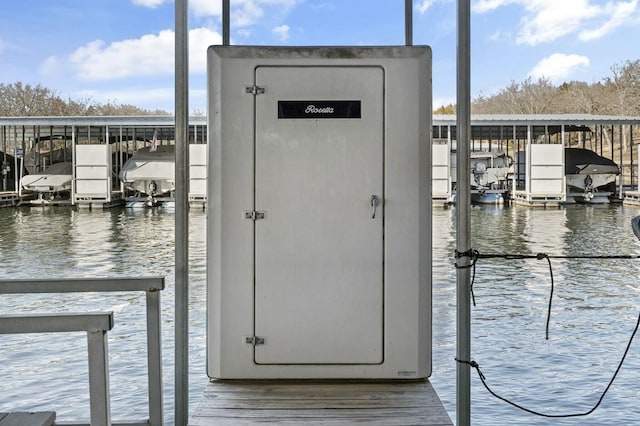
(319, 109)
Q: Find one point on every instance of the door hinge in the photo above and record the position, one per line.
(254, 90)
(254, 340)
(254, 215)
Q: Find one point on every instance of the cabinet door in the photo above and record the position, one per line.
(319, 250)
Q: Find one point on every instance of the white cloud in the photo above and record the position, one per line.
(548, 20)
(198, 7)
(482, 6)
(244, 13)
(551, 19)
(149, 3)
(619, 16)
(282, 32)
(199, 41)
(558, 67)
(151, 54)
(423, 5)
(206, 7)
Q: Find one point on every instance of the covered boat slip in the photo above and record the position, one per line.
(96, 149)
(541, 147)
(95, 184)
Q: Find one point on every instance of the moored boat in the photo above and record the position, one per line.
(52, 183)
(490, 171)
(150, 172)
(590, 178)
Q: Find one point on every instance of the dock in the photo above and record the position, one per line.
(45, 418)
(388, 403)
(8, 199)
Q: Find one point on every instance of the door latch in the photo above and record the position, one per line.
(374, 206)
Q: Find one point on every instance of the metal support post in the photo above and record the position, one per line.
(463, 204)
(182, 218)
(408, 22)
(226, 12)
(99, 378)
(154, 357)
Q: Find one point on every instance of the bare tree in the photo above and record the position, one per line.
(20, 99)
(624, 88)
(25, 100)
(528, 97)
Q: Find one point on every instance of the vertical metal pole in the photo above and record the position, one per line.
(99, 378)
(463, 204)
(225, 22)
(182, 211)
(3, 163)
(621, 187)
(408, 22)
(154, 358)
(631, 155)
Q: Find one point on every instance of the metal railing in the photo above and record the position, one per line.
(95, 326)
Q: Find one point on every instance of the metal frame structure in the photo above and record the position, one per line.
(92, 322)
(96, 324)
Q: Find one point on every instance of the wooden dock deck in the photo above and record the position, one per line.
(44, 418)
(387, 403)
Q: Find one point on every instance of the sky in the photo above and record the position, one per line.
(122, 51)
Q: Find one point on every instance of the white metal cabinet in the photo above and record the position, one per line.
(304, 279)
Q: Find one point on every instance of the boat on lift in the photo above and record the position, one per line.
(149, 175)
(490, 171)
(590, 178)
(53, 183)
(48, 169)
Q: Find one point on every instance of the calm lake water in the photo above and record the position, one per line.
(595, 308)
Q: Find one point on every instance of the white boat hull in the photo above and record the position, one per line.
(150, 172)
(589, 177)
(55, 179)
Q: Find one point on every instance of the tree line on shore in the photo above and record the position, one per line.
(26, 100)
(617, 94)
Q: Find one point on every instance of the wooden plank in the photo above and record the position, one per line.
(44, 418)
(328, 403)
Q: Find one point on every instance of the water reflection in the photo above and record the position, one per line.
(594, 312)
(49, 372)
(595, 306)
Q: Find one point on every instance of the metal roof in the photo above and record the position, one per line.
(536, 119)
(129, 121)
(520, 126)
(438, 120)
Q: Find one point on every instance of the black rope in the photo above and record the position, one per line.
(537, 413)
(474, 255)
(510, 256)
(546, 329)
